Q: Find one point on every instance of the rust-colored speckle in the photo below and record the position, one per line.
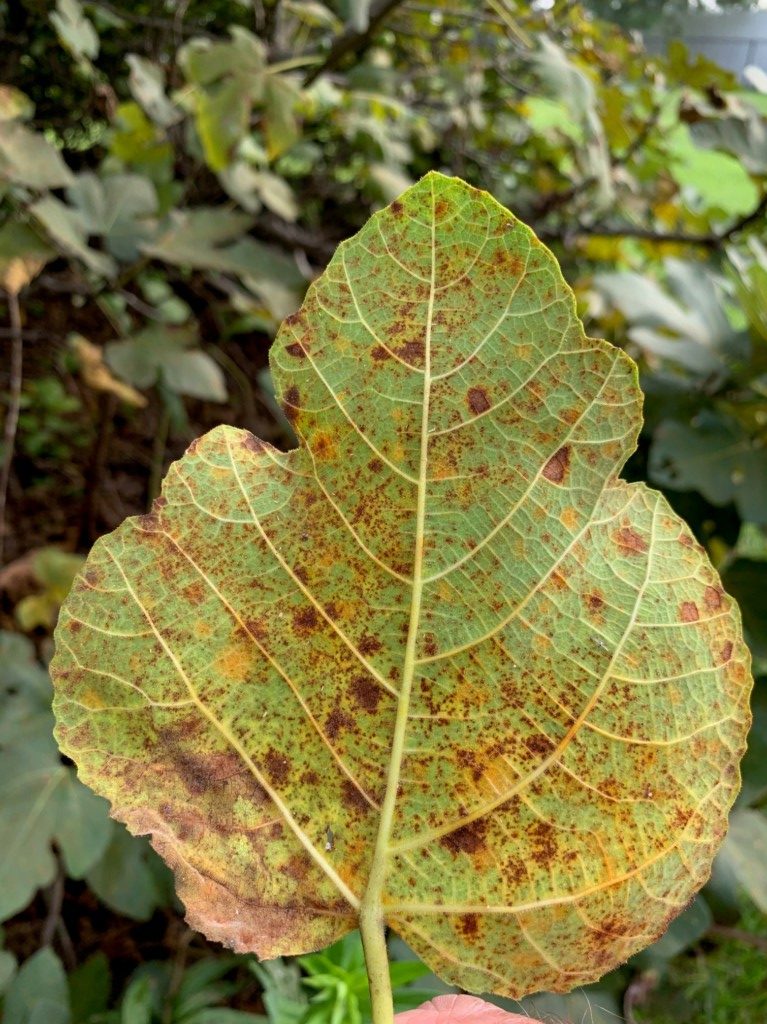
(352, 797)
(367, 693)
(430, 644)
(396, 208)
(412, 352)
(369, 645)
(538, 744)
(148, 522)
(595, 602)
(629, 541)
(291, 403)
(296, 350)
(379, 353)
(256, 628)
(689, 612)
(375, 465)
(713, 598)
(293, 319)
(277, 765)
(337, 721)
(478, 400)
(467, 839)
(726, 653)
(305, 620)
(252, 443)
(557, 466)
(468, 925)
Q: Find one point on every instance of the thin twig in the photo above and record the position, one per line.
(712, 240)
(55, 897)
(158, 453)
(14, 405)
(352, 39)
(728, 934)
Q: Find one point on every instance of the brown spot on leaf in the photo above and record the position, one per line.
(630, 541)
(296, 350)
(689, 612)
(352, 798)
(337, 721)
(396, 208)
(305, 620)
(277, 765)
(379, 353)
(293, 319)
(468, 925)
(256, 628)
(478, 400)
(713, 598)
(467, 839)
(252, 443)
(595, 602)
(412, 352)
(726, 652)
(367, 693)
(557, 466)
(369, 644)
(430, 644)
(538, 744)
(291, 403)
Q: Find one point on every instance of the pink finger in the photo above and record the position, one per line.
(460, 1009)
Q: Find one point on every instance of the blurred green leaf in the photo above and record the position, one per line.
(743, 854)
(29, 159)
(130, 878)
(69, 229)
(74, 30)
(171, 354)
(715, 456)
(38, 994)
(117, 207)
(89, 988)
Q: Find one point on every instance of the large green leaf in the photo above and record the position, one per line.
(439, 658)
(41, 801)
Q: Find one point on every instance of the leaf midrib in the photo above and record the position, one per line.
(382, 852)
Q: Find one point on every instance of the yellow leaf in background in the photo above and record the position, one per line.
(97, 374)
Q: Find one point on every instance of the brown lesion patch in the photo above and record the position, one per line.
(353, 799)
(468, 926)
(595, 602)
(396, 208)
(252, 443)
(557, 467)
(412, 352)
(369, 645)
(305, 620)
(296, 350)
(277, 766)
(688, 612)
(336, 721)
(367, 693)
(478, 400)
(726, 652)
(630, 542)
(379, 353)
(712, 597)
(466, 839)
(292, 403)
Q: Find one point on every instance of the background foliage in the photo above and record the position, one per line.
(171, 178)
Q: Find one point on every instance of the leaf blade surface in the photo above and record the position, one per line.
(440, 645)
